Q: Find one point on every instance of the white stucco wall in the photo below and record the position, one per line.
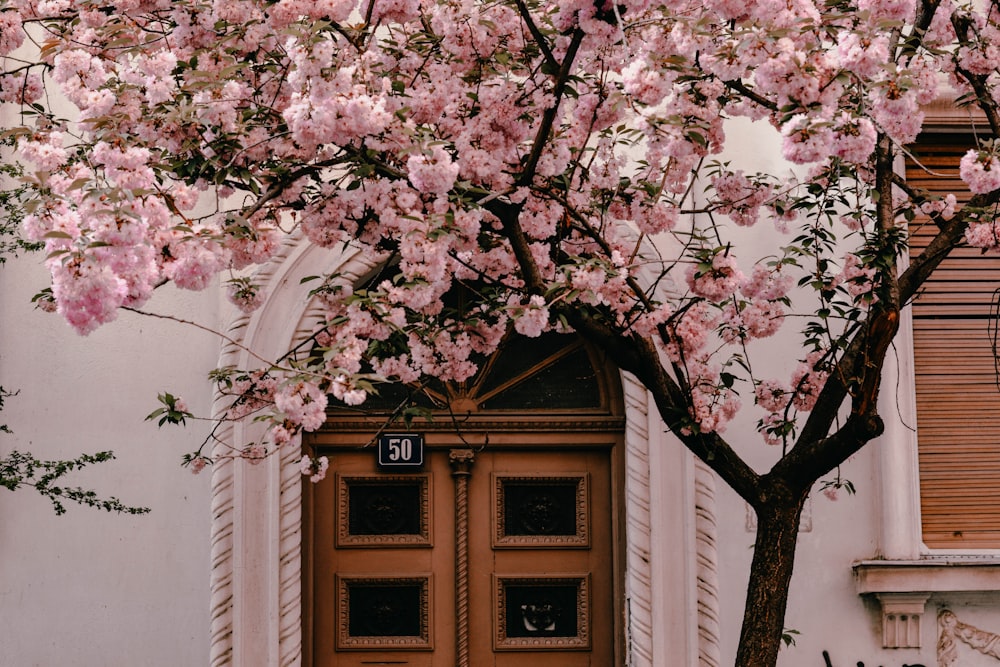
(88, 588)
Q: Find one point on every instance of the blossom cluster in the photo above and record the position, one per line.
(541, 161)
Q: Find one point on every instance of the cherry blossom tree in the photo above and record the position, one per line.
(561, 162)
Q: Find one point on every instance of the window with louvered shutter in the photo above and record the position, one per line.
(958, 399)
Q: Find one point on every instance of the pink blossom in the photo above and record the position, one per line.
(197, 464)
(713, 405)
(253, 392)
(772, 395)
(857, 276)
(21, 89)
(46, 151)
(195, 259)
(302, 403)
(854, 138)
(245, 295)
(690, 332)
(751, 320)
(770, 427)
(253, 247)
(943, 207)
(434, 173)
(806, 141)
(717, 281)
(87, 294)
(314, 468)
(897, 112)
(656, 218)
(183, 196)
(644, 82)
(344, 391)
(862, 54)
(739, 198)
(893, 10)
(127, 167)
(283, 434)
(422, 138)
(980, 171)
(400, 11)
(254, 454)
(333, 112)
(11, 31)
(765, 282)
(983, 235)
(588, 280)
(532, 319)
(808, 381)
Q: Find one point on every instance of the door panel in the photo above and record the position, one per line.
(381, 548)
(540, 568)
(549, 550)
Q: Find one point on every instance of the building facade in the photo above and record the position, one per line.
(556, 522)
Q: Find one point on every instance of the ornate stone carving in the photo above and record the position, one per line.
(953, 630)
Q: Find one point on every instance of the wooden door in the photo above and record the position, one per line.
(499, 557)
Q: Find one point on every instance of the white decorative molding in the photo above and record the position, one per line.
(895, 453)
(256, 528)
(953, 630)
(256, 583)
(928, 575)
(709, 654)
(903, 587)
(902, 614)
(638, 573)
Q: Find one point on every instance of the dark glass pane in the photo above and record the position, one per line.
(540, 508)
(384, 509)
(390, 396)
(541, 610)
(518, 354)
(568, 383)
(384, 609)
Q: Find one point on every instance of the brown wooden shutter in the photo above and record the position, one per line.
(958, 399)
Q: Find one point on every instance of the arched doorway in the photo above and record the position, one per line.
(671, 604)
(504, 547)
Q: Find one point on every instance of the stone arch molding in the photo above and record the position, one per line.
(256, 579)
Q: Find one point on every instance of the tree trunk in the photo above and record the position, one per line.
(770, 573)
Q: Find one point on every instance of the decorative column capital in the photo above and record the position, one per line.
(461, 461)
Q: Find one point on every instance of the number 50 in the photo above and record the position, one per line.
(400, 449)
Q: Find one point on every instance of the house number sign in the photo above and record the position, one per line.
(401, 450)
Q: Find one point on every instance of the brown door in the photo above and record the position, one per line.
(500, 557)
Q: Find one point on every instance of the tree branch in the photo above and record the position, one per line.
(539, 38)
(548, 118)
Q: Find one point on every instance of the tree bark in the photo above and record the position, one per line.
(770, 573)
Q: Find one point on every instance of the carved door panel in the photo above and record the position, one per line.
(530, 582)
(543, 590)
(384, 552)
